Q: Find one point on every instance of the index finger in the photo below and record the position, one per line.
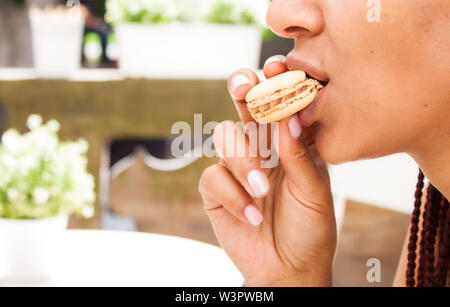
(274, 66)
(243, 80)
(239, 84)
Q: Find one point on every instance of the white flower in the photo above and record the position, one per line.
(53, 126)
(40, 196)
(11, 141)
(13, 195)
(42, 177)
(83, 145)
(5, 178)
(134, 7)
(9, 161)
(193, 10)
(41, 140)
(26, 163)
(34, 122)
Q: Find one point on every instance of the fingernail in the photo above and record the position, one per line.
(274, 59)
(239, 80)
(258, 182)
(295, 128)
(253, 215)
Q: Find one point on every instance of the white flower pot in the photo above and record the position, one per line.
(187, 49)
(57, 43)
(30, 248)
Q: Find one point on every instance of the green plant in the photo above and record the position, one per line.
(228, 12)
(268, 34)
(41, 177)
(146, 11)
(211, 11)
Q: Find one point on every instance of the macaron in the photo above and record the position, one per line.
(281, 96)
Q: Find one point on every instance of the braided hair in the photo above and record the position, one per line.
(433, 250)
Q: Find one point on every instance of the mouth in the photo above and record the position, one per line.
(309, 115)
(323, 83)
(312, 71)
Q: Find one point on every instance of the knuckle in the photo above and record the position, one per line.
(249, 162)
(207, 177)
(224, 137)
(222, 127)
(300, 155)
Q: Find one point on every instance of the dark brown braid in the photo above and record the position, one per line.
(434, 246)
(443, 259)
(412, 246)
(423, 234)
(430, 236)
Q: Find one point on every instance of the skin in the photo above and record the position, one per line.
(388, 92)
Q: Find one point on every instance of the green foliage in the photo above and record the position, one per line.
(227, 13)
(211, 11)
(268, 34)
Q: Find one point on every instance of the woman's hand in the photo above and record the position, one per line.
(277, 225)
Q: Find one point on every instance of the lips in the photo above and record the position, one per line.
(309, 115)
(312, 71)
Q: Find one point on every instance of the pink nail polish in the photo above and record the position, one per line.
(295, 128)
(239, 80)
(258, 182)
(253, 215)
(274, 59)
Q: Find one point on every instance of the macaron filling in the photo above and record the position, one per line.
(280, 99)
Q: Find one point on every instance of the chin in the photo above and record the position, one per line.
(335, 150)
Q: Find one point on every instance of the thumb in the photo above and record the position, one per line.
(304, 176)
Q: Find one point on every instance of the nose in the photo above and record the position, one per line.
(295, 18)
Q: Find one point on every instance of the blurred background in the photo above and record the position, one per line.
(120, 73)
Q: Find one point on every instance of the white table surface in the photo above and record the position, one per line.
(109, 258)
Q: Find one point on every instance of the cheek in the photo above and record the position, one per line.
(389, 78)
(362, 123)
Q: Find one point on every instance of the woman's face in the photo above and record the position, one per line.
(388, 82)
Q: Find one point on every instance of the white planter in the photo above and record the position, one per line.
(57, 43)
(187, 49)
(29, 248)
